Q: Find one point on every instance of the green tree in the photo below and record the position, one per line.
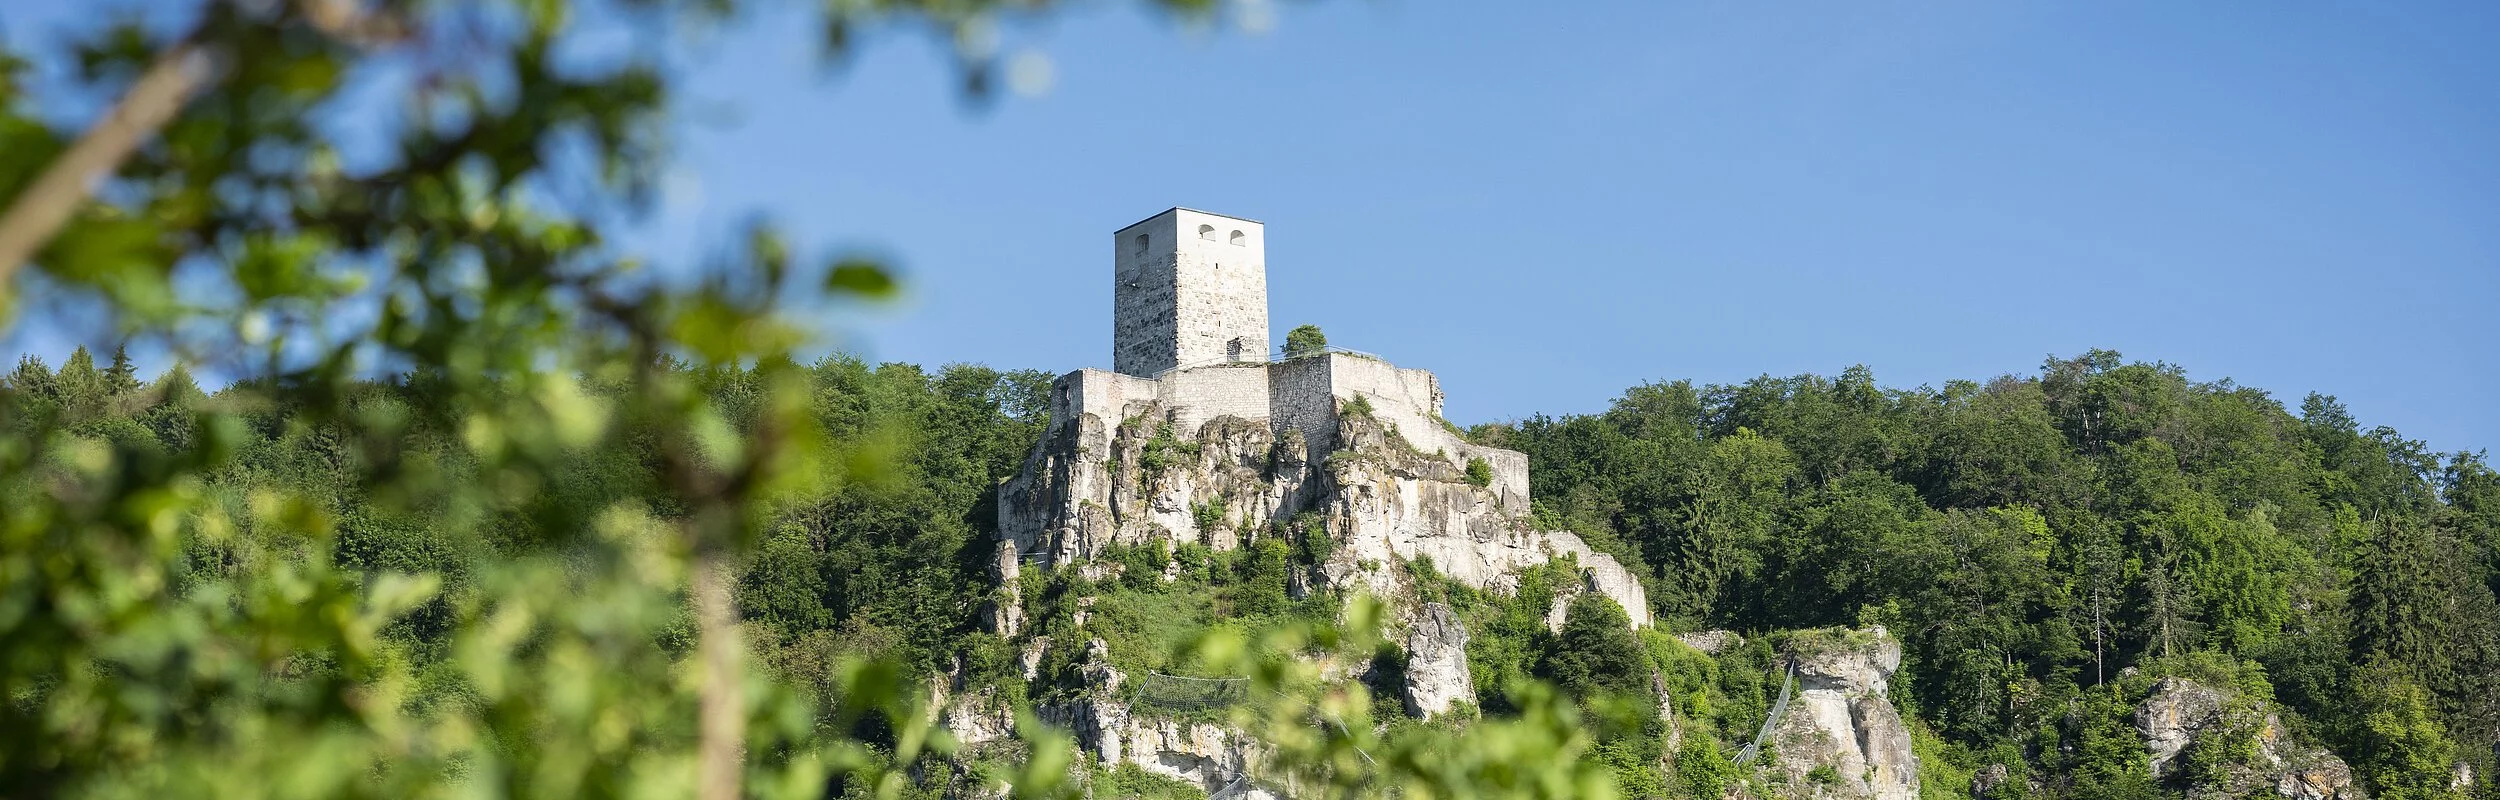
(33, 390)
(1596, 653)
(1736, 510)
(122, 377)
(1981, 580)
(82, 386)
(2399, 747)
(2418, 603)
(1305, 340)
(2109, 759)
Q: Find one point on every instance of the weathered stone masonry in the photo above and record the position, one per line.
(1189, 288)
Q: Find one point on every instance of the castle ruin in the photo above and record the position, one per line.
(1190, 335)
(1201, 432)
(1203, 435)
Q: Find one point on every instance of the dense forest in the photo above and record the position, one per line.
(2033, 538)
(2036, 541)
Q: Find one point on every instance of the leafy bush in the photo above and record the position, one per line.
(1702, 770)
(1131, 782)
(1479, 472)
(1209, 515)
(1596, 651)
(1264, 571)
(1312, 545)
(1162, 452)
(1357, 406)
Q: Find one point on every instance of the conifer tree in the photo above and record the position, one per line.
(121, 378)
(82, 386)
(33, 380)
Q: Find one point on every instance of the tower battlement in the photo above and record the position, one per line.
(1189, 288)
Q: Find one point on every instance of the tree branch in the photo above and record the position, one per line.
(722, 713)
(38, 214)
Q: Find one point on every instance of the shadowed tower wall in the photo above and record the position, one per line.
(1189, 288)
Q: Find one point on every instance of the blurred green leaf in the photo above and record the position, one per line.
(862, 278)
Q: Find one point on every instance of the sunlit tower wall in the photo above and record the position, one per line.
(1189, 289)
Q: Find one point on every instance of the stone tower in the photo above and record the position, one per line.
(1189, 289)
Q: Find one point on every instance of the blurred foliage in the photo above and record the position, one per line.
(446, 526)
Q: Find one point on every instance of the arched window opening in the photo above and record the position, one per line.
(1141, 244)
(1238, 239)
(1206, 232)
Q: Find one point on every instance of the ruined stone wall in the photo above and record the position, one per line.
(1301, 394)
(1195, 396)
(1109, 395)
(1300, 398)
(1393, 395)
(1410, 400)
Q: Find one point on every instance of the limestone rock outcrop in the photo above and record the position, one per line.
(1379, 502)
(1436, 663)
(1841, 736)
(2180, 714)
(976, 718)
(1092, 484)
(1105, 728)
(2172, 715)
(1202, 754)
(1385, 503)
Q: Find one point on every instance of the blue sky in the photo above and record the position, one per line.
(1546, 207)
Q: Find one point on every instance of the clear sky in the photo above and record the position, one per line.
(1546, 207)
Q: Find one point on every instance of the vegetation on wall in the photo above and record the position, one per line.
(1305, 340)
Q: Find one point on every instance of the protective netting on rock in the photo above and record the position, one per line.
(1770, 721)
(1181, 694)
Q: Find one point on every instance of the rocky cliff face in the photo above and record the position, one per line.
(1841, 736)
(2181, 715)
(1202, 754)
(1198, 753)
(1093, 483)
(1381, 503)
